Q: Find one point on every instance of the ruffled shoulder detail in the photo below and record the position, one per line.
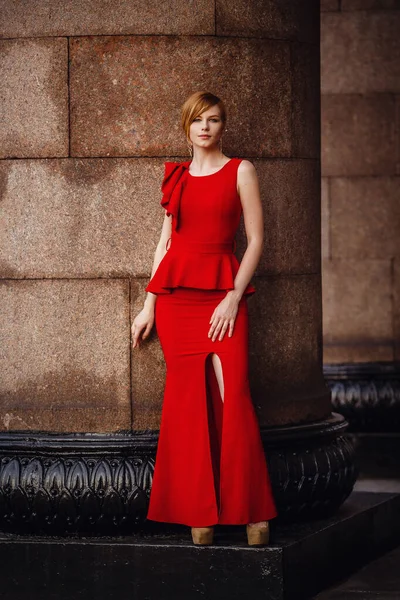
(195, 270)
(172, 187)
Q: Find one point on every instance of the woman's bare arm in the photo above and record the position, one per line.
(158, 256)
(224, 315)
(143, 322)
(249, 192)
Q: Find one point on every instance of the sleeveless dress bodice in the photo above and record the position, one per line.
(206, 212)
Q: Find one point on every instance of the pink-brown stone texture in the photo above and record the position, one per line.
(360, 52)
(287, 19)
(325, 218)
(357, 313)
(65, 355)
(329, 5)
(148, 370)
(33, 97)
(358, 134)
(360, 79)
(285, 347)
(126, 93)
(79, 217)
(91, 97)
(97, 217)
(369, 4)
(365, 217)
(106, 17)
(396, 304)
(397, 151)
(286, 350)
(306, 111)
(292, 232)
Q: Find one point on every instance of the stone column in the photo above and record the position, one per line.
(360, 66)
(92, 105)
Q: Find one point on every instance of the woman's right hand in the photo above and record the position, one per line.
(144, 320)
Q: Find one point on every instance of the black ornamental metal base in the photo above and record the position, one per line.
(100, 484)
(301, 560)
(366, 394)
(368, 397)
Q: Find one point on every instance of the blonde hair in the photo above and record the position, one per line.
(195, 105)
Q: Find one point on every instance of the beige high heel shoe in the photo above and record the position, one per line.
(258, 535)
(202, 536)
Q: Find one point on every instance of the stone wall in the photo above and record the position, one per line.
(360, 86)
(91, 96)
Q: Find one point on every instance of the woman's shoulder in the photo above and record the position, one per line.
(245, 165)
(246, 171)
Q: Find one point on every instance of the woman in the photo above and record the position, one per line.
(210, 465)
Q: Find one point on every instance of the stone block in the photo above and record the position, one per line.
(290, 192)
(106, 17)
(65, 355)
(396, 307)
(351, 123)
(357, 310)
(398, 135)
(148, 369)
(329, 5)
(80, 218)
(369, 4)
(102, 217)
(286, 19)
(33, 97)
(127, 92)
(306, 103)
(285, 350)
(325, 218)
(360, 52)
(337, 353)
(365, 217)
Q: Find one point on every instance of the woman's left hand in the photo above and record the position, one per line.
(224, 317)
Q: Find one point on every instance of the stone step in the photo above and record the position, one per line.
(161, 562)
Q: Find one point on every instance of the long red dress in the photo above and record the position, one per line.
(210, 464)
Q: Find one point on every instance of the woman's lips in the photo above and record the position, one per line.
(204, 136)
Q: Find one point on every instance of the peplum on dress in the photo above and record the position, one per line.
(210, 465)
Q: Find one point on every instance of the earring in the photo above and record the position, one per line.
(190, 148)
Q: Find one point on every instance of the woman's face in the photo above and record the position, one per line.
(206, 129)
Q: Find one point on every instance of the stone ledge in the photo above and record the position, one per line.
(301, 559)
